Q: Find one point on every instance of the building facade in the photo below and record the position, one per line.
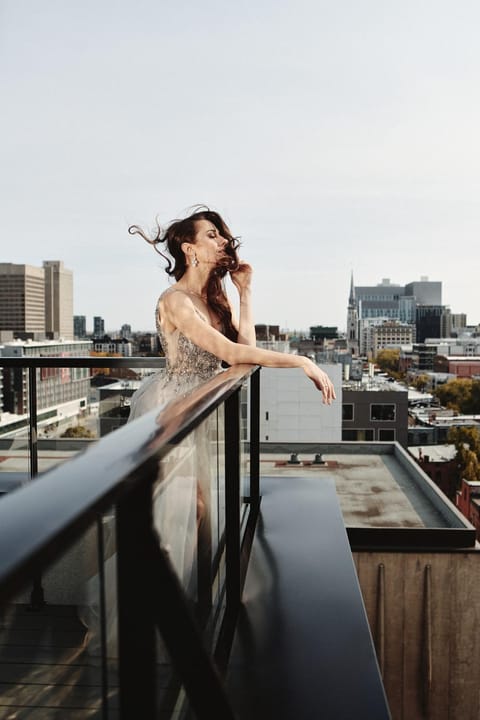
(79, 327)
(58, 300)
(98, 326)
(292, 410)
(374, 414)
(55, 386)
(417, 304)
(386, 334)
(22, 299)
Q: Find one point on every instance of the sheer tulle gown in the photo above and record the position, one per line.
(183, 492)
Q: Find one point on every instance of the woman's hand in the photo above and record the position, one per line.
(242, 277)
(321, 381)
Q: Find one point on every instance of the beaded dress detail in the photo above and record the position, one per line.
(187, 366)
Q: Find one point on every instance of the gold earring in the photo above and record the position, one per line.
(194, 261)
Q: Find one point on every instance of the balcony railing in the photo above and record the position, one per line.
(106, 505)
(133, 615)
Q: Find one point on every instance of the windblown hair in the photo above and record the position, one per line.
(180, 231)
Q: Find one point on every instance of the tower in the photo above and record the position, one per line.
(58, 300)
(352, 320)
(98, 326)
(22, 299)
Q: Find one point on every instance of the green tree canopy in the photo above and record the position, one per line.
(387, 359)
(462, 395)
(79, 431)
(461, 436)
(467, 443)
(420, 382)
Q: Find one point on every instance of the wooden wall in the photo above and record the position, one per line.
(424, 614)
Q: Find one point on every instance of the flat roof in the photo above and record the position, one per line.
(382, 489)
(435, 453)
(370, 488)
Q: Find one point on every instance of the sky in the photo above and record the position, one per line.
(334, 137)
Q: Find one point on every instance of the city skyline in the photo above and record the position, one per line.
(333, 138)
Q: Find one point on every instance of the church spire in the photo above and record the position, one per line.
(352, 320)
(351, 299)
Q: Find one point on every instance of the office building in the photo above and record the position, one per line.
(418, 304)
(79, 326)
(58, 300)
(389, 334)
(428, 322)
(98, 326)
(126, 331)
(22, 299)
(56, 387)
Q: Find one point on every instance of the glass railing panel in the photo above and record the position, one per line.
(75, 407)
(218, 521)
(189, 516)
(113, 395)
(51, 659)
(244, 445)
(14, 463)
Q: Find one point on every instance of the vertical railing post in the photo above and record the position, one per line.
(32, 420)
(255, 437)
(232, 499)
(103, 613)
(136, 623)
(37, 598)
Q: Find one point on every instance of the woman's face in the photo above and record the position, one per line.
(209, 244)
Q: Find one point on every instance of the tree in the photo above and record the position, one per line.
(420, 382)
(467, 443)
(461, 394)
(79, 431)
(388, 359)
(461, 436)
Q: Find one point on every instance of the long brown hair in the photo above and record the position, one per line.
(180, 231)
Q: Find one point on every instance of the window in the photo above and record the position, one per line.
(362, 435)
(383, 412)
(347, 411)
(386, 435)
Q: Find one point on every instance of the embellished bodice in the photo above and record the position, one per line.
(187, 367)
(185, 360)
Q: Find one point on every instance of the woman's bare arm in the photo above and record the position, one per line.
(242, 278)
(182, 314)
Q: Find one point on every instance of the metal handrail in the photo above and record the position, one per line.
(32, 526)
(88, 361)
(118, 470)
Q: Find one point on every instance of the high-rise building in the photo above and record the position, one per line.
(429, 322)
(425, 291)
(98, 326)
(389, 302)
(22, 299)
(79, 326)
(126, 331)
(58, 300)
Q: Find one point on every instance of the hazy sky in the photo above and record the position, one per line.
(333, 135)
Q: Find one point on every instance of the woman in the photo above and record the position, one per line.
(198, 330)
(195, 322)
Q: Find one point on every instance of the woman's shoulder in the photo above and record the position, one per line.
(170, 303)
(172, 296)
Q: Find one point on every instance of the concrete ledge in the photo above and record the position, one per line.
(303, 647)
